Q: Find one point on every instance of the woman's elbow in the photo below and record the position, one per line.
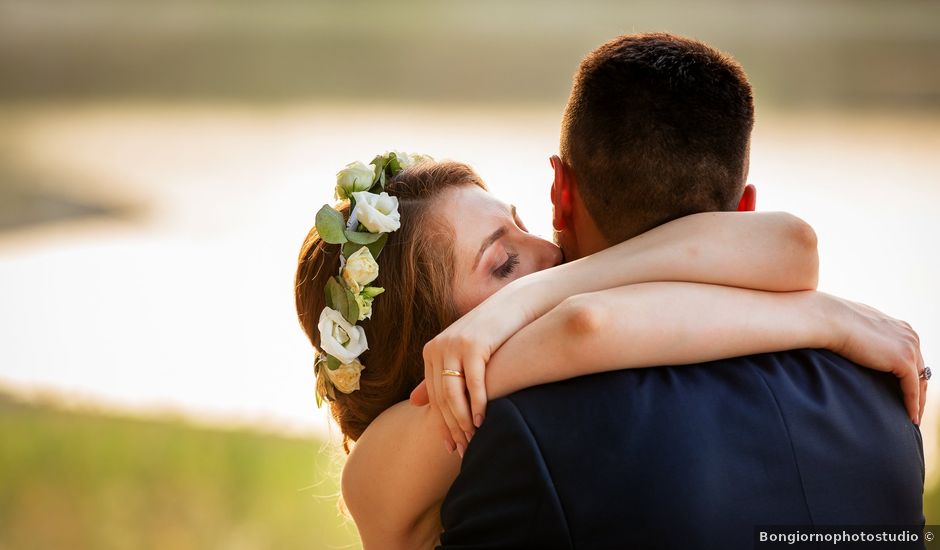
(582, 316)
(805, 242)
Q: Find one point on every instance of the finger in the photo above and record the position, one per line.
(456, 393)
(456, 440)
(923, 388)
(444, 432)
(475, 374)
(429, 380)
(419, 396)
(455, 433)
(910, 387)
(923, 401)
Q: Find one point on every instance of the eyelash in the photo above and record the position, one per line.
(507, 268)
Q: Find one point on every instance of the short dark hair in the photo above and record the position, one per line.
(657, 127)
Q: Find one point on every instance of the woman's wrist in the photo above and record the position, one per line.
(832, 321)
(528, 298)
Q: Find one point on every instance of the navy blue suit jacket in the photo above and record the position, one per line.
(689, 457)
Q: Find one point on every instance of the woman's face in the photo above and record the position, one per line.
(492, 245)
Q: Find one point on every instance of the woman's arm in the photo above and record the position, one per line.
(773, 251)
(681, 323)
(676, 323)
(765, 251)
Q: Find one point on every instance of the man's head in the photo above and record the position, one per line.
(657, 127)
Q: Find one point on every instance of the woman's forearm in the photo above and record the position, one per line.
(654, 324)
(772, 251)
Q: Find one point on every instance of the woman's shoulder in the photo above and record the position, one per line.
(386, 495)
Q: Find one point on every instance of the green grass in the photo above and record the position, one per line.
(80, 480)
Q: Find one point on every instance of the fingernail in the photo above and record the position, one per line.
(460, 449)
(449, 446)
(469, 436)
(478, 420)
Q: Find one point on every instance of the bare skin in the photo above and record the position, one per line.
(401, 468)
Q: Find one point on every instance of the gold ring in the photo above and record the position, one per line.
(448, 372)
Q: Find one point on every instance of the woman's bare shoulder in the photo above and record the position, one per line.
(387, 496)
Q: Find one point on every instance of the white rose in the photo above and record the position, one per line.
(357, 176)
(346, 377)
(364, 300)
(377, 212)
(418, 158)
(404, 159)
(360, 269)
(340, 339)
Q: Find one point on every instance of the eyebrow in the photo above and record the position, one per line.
(487, 242)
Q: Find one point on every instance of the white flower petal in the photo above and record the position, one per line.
(345, 352)
(360, 269)
(377, 212)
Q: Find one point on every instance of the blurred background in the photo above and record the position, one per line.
(161, 162)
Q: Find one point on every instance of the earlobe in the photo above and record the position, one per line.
(748, 201)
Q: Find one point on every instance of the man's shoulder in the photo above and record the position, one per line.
(747, 369)
(739, 385)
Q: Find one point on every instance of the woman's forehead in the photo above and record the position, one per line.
(474, 214)
(478, 202)
(475, 211)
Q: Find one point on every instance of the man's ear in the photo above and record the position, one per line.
(562, 187)
(748, 199)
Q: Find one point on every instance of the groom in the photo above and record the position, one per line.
(658, 127)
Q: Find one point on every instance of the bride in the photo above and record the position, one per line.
(440, 248)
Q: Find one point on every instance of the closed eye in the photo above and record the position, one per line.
(508, 266)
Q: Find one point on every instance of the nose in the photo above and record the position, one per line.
(553, 254)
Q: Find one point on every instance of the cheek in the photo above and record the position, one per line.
(469, 294)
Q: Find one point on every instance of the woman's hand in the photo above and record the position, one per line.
(872, 339)
(464, 347)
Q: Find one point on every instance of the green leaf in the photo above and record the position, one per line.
(330, 225)
(394, 166)
(372, 291)
(352, 307)
(376, 248)
(319, 399)
(362, 237)
(332, 363)
(380, 162)
(336, 291)
(328, 296)
(349, 249)
(379, 184)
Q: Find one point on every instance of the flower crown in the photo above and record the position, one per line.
(373, 215)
